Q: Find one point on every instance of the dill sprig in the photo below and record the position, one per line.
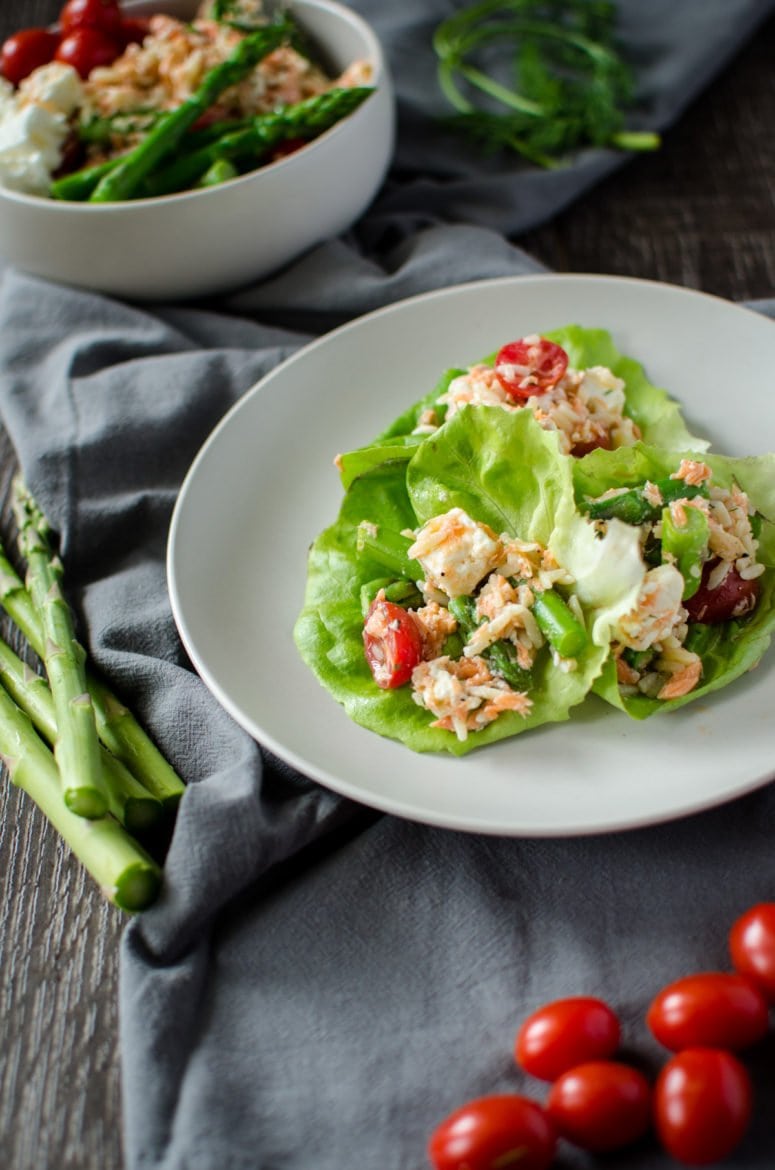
(539, 77)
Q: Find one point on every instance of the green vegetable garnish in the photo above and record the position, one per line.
(685, 545)
(537, 77)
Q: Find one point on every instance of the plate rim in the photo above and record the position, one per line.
(379, 801)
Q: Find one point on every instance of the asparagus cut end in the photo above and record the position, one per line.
(142, 814)
(137, 887)
(86, 802)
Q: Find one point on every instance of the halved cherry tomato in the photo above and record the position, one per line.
(703, 1100)
(602, 441)
(104, 15)
(489, 1133)
(289, 146)
(530, 366)
(392, 642)
(26, 50)
(713, 1009)
(601, 1105)
(733, 598)
(86, 49)
(752, 946)
(564, 1033)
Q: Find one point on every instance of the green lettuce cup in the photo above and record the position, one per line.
(505, 475)
(717, 536)
(656, 416)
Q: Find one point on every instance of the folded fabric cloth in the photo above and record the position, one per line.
(319, 984)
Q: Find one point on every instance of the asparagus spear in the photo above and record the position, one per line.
(559, 624)
(77, 745)
(125, 179)
(117, 727)
(131, 804)
(247, 146)
(77, 186)
(389, 549)
(123, 870)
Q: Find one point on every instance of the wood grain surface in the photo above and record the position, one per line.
(698, 213)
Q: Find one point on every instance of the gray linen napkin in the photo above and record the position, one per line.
(319, 984)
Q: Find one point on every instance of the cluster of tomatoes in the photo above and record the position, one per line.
(89, 33)
(699, 1106)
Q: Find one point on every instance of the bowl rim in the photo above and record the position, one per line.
(375, 55)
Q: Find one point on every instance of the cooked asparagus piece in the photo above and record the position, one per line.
(131, 804)
(123, 870)
(246, 146)
(163, 139)
(77, 745)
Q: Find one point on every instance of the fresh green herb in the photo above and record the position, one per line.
(539, 77)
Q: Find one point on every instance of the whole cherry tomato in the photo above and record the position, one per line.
(392, 643)
(104, 15)
(733, 598)
(26, 50)
(134, 30)
(703, 1099)
(86, 49)
(494, 1132)
(713, 1009)
(530, 366)
(564, 1033)
(752, 946)
(601, 1105)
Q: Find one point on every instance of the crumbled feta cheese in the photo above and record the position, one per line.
(456, 552)
(34, 127)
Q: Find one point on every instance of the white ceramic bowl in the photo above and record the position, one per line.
(214, 240)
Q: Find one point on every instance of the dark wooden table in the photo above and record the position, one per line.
(700, 213)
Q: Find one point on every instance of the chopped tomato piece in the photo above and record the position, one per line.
(392, 642)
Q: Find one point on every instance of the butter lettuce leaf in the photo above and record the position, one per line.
(657, 414)
(728, 649)
(504, 470)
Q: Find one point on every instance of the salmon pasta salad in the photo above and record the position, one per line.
(540, 527)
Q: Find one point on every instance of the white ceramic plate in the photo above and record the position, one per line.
(263, 486)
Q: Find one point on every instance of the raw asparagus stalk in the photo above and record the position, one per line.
(124, 180)
(305, 119)
(131, 804)
(117, 727)
(123, 870)
(77, 745)
(125, 738)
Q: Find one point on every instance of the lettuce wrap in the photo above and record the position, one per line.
(727, 648)
(503, 470)
(655, 413)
